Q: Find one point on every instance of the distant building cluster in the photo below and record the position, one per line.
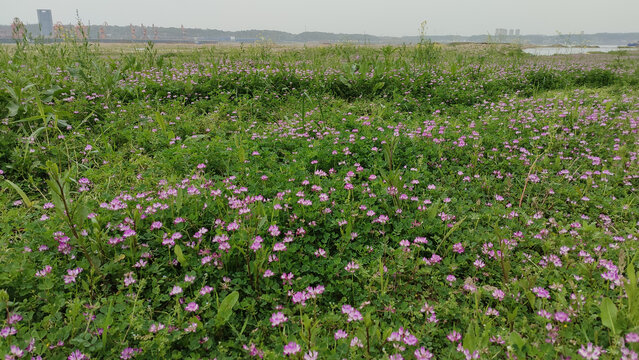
(507, 32)
(47, 31)
(45, 22)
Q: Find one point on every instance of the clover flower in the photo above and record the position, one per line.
(292, 348)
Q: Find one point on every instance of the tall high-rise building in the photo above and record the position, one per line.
(45, 22)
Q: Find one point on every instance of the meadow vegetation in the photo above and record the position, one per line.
(328, 202)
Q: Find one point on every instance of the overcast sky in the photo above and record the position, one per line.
(375, 17)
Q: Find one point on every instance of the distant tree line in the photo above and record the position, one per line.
(150, 32)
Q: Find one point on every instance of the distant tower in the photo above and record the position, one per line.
(511, 32)
(183, 33)
(132, 28)
(155, 32)
(517, 32)
(45, 22)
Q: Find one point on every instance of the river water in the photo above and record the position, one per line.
(570, 50)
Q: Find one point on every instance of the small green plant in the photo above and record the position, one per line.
(426, 51)
(72, 211)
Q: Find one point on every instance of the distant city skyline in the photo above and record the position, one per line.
(373, 17)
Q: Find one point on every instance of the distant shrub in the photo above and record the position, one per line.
(545, 79)
(597, 78)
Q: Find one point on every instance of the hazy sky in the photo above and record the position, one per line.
(375, 17)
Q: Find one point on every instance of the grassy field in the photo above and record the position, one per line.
(321, 202)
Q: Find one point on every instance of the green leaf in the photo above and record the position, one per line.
(180, 255)
(531, 298)
(106, 324)
(64, 123)
(55, 89)
(378, 86)
(345, 81)
(367, 319)
(516, 339)
(34, 134)
(609, 315)
(46, 285)
(22, 194)
(633, 295)
(262, 222)
(80, 213)
(159, 118)
(632, 277)
(13, 109)
(225, 310)
(470, 338)
(306, 321)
